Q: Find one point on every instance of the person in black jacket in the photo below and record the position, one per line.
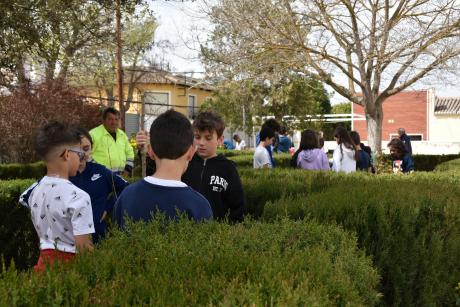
(213, 175)
(405, 139)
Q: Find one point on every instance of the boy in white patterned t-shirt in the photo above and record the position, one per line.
(61, 212)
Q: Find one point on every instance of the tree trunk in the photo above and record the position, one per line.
(374, 120)
(110, 97)
(23, 81)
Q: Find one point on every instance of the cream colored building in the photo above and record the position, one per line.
(160, 90)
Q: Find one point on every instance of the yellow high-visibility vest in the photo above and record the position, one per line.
(112, 154)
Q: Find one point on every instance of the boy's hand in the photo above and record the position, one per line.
(104, 215)
(142, 138)
(83, 243)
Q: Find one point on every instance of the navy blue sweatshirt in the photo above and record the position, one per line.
(218, 180)
(142, 200)
(103, 187)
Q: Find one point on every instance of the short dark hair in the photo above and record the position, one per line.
(273, 124)
(266, 132)
(52, 135)
(308, 140)
(82, 132)
(209, 121)
(398, 145)
(355, 137)
(111, 110)
(171, 135)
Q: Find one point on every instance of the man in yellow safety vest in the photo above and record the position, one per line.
(111, 146)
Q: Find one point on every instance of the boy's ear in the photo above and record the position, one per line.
(150, 152)
(220, 140)
(65, 156)
(191, 152)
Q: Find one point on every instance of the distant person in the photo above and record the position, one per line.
(363, 162)
(275, 127)
(261, 157)
(401, 159)
(344, 157)
(228, 145)
(111, 146)
(285, 142)
(240, 144)
(60, 211)
(310, 156)
(405, 139)
(171, 146)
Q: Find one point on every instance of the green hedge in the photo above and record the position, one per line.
(409, 224)
(18, 238)
(281, 160)
(430, 162)
(285, 263)
(22, 171)
(243, 159)
(449, 166)
(411, 228)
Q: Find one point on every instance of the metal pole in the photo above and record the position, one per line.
(143, 149)
(119, 64)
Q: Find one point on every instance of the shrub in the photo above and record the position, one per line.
(186, 264)
(17, 233)
(430, 162)
(449, 166)
(411, 229)
(281, 160)
(22, 171)
(27, 109)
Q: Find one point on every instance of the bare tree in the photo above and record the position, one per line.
(379, 47)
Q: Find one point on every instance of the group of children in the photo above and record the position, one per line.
(350, 155)
(70, 204)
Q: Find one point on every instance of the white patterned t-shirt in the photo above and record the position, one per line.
(59, 212)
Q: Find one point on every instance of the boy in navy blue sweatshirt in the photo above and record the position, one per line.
(211, 174)
(171, 146)
(102, 185)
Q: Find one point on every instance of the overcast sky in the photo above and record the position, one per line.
(179, 22)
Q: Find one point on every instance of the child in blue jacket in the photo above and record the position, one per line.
(102, 185)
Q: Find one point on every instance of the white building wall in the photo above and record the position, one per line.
(442, 128)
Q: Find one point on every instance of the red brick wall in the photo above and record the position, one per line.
(406, 110)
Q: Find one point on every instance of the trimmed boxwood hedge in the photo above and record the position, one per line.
(243, 159)
(18, 239)
(410, 228)
(449, 166)
(408, 223)
(185, 264)
(22, 171)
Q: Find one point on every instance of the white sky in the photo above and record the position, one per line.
(179, 22)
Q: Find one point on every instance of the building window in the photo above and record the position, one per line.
(192, 107)
(156, 102)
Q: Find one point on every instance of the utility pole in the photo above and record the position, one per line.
(121, 103)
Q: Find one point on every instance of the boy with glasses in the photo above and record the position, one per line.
(61, 212)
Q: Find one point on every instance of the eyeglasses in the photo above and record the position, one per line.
(81, 154)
